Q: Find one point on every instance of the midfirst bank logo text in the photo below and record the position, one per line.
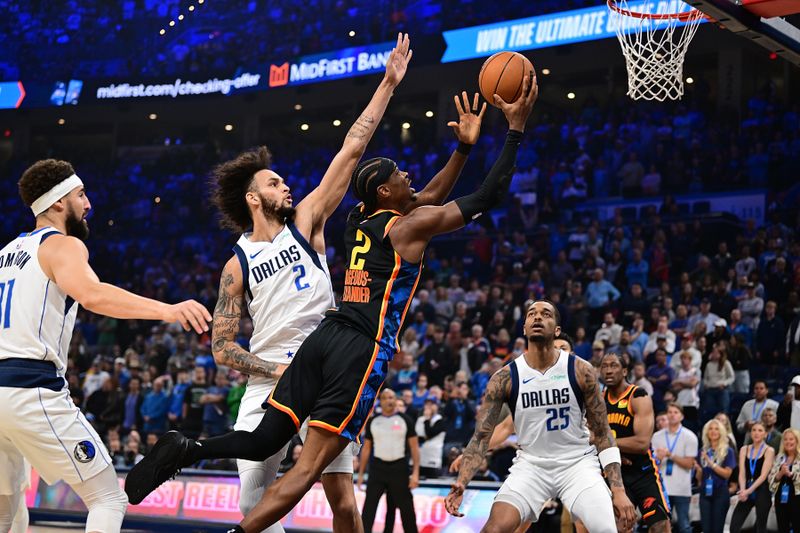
(341, 64)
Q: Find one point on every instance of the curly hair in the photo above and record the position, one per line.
(231, 180)
(41, 177)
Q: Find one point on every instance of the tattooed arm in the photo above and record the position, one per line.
(323, 201)
(597, 422)
(497, 393)
(225, 326)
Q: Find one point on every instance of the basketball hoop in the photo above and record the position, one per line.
(653, 50)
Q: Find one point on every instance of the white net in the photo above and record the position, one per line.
(654, 37)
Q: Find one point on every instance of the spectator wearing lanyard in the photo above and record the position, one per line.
(752, 409)
(784, 482)
(676, 449)
(714, 467)
(755, 462)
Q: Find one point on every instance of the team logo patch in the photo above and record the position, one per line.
(623, 404)
(648, 502)
(85, 451)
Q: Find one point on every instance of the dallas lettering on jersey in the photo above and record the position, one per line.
(355, 286)
(543, 398)
(619, 418)
(272, 265)
(17, 259)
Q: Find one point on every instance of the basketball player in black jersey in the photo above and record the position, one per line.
(630, 416)
(334, 376)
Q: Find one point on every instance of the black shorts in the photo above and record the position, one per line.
(644, 487)
(333, 379)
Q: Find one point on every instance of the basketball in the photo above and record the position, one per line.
(502, 74)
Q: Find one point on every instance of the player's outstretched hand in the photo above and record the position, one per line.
(623, 509)
(191, 315)
(468, 127)
(453, 500)
(456, 464)
(398, 60)
(518, 112)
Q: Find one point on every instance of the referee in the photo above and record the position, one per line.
(392, 436)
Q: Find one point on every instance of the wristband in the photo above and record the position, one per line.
(609, 456)
(464, 148)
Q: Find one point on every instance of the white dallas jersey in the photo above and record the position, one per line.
(36, 316)
(548, 411)
(287, 288)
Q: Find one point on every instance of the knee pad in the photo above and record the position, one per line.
(105, 501)
(253, 480)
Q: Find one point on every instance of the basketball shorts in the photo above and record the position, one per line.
(40, 422)
(250, 415)
(334, 380)
(530, 484)
(644, 487)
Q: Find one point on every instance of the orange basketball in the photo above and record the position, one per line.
(503, 74)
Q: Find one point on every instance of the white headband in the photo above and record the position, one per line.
(55, 194)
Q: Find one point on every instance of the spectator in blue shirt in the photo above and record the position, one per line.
(406, 377)
(215, 412)
(600, 293)
(154, 409)
(660, 375)
(131, 419)
(715, 463)
(681, 320)
(637, 270)
(459, 411)
(738, 327)
(175, 412)
(481, 378)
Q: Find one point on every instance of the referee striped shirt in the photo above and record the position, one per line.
(389, 436)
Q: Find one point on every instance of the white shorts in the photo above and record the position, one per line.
(251, 413)
(530, 484)
(48, 430)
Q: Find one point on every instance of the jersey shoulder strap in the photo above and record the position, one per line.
(242, 257)
(512, 400)
(573, 380)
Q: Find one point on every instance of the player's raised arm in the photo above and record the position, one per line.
(65, 260)
(227, 314)
(412, 233)
(323, 201)
(497, 393)
(467, 130)
(597, 422)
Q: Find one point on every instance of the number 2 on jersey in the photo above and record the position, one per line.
(5, 307)
(301, 273)
(553, 417)
(357, 263)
